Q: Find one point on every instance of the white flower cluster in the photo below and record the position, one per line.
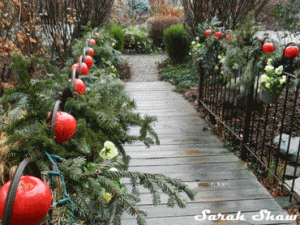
(195, 46)
(269, 71)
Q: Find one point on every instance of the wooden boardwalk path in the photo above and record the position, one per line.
(197, 157)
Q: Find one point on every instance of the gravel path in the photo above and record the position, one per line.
(144, 67)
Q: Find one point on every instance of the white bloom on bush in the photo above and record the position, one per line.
(269, 68)
(263, 78)
(219, 57)
(279, 70)
(267, 85)
(193, 42)
(216, 67)
(109, 151)
(282, 80)
(113, 169)
(269, 63)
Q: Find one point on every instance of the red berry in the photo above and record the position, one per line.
(84, 68)
(80, 86)
(228, 36)
(218, 34)
(207, 32)
(268, 47)
(32, 202)
(88, 61)
(65, 127)
(91, 52)
(291, 51)
(92, 41)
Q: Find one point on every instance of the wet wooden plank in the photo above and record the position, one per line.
(178, 153)
(206, 176)
(184, 160)
(179, 148)
(212, 167)
(213, 196)
(211, 140)
(148, 86)
(157, 95)
(219, 186)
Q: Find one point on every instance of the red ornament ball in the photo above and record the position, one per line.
(79, 86)
(84, 68)
(91, 52)
(207, 32)
(88, 61)
(65, 126)
(92, 41)
(228, 36)
(291, 51)
(32, 202)
(218, 35)
(268, 47)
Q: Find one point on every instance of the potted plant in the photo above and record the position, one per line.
(271, 83)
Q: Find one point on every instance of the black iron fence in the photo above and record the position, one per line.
(265, 134)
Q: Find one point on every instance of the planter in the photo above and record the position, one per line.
(267, 97)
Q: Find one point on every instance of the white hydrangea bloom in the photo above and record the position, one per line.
(219, 57)
(282, 80)
(279, 70)
(263, 78)
(193, 42)
(269, 68)
(109, 151)
(197, 38)
(268, 85)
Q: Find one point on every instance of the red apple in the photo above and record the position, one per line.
(291, 51)
(32, 202)
(228, 36)
(268, 47)
(207, 32)
(65, 126)
(218, 34)
(84, 68)
(88, 61)
(92, 41)
(91, 52)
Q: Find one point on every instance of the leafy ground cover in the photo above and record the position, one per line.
(183, 76)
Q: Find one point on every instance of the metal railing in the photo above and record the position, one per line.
(253, 125)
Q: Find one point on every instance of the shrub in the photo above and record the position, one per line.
(118, 34)
(176, 42)
(137, 40)
(157, 27)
